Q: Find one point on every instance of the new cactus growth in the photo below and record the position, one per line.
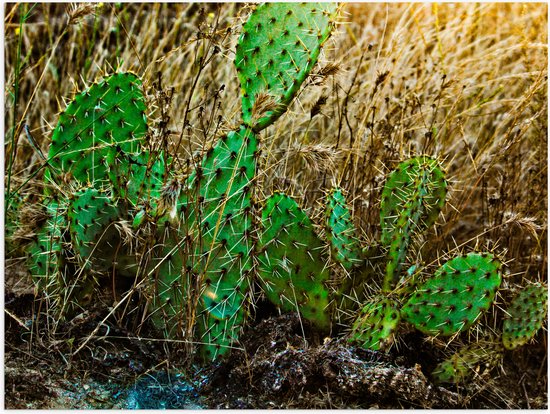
(464, 364)
(340, 231)
(291, 268)
(412, 198)
(455, 297)
(527, 313)
(376, 324)
(278, 47)
(109, 114)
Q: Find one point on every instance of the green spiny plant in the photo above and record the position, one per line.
(412, 199)
(108, 114)
(340, 231)
(278, 47)
(462, 365)
(447, 303)
(291, 267)
(376, 323)
(526, 315)
(457, 294)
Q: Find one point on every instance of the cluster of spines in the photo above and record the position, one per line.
(526, 315)
(279, 45)
(454, 298)
(291, 267)
(412, 199)
(340, 231)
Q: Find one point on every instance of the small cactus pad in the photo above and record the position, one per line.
(220, 201)
(109, 113)
(278, 47)
(341, 232)
(291, 268)
(527, 313)
(375, 326)
(412, 198)
(91, 213)
(458, 293)
(462, 365)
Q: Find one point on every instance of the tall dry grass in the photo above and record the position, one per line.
(464, 82)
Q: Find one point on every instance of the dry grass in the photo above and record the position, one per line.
(464, 82)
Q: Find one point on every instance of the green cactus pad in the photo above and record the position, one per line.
(291, 267)
(341, 232)
(527, 313)
(278, 47)
(109, 113)
(219, 200)
(412, 198)
(170, 286)
(463, 365)
(453, 299)
(376, 324)
(91, 214)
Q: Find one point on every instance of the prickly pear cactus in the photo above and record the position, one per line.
(291, 268)
(108, 114)
(278, 47)
(170, 288)
(341, 232)
(463, 365)
(412, 198)
(376, 324)
(219, 200)
(457, 294)
(527, 313)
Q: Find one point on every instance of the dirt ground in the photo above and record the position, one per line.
(277, 369)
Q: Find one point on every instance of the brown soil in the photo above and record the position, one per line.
(278, 369)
